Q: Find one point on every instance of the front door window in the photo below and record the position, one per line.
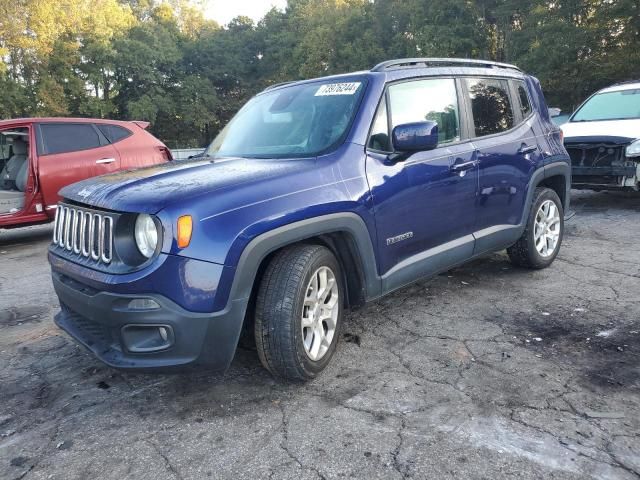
(435, 100)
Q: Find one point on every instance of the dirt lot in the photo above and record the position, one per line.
(484, 372)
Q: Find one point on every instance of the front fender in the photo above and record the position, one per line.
(241, 279)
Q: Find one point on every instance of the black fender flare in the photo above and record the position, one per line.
(261, 246)
(561, 168)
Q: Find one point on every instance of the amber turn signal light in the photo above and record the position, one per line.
(185, 228)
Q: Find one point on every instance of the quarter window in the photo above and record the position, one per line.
(113, 133)
(490, 105)
(68, 137)
(434, 99)
(525, 106)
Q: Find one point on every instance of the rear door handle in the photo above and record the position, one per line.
(105, 160)
(460, 167)
(524, 149)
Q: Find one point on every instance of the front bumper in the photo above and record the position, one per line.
(600, 163)
(96, 320)
(605, 178)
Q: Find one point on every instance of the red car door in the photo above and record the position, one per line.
(70, 152)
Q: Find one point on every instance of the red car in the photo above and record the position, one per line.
(39, 156)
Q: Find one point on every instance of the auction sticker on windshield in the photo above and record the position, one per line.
(337, 89)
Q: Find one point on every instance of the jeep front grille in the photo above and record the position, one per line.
(85, 233)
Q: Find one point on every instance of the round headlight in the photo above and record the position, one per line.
(633, 150)
(146, 235)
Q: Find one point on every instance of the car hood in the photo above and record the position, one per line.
(622, 129)
(149, 190)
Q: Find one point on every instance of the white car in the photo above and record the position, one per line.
(603, 139)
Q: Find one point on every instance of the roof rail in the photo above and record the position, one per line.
(427, 62)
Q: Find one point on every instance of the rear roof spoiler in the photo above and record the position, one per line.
(141, 124)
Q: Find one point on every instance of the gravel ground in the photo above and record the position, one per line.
(487, 371)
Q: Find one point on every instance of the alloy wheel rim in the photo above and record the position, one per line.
(546, 232)
(320, 313)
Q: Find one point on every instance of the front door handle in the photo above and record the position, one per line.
(460, 167)
(524, 149)
(105, 160)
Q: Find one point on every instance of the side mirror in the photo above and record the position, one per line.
(415, 137)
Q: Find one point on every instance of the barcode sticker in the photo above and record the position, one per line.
(337, 89)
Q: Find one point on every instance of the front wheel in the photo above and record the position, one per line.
(540, 242)
(299, 312)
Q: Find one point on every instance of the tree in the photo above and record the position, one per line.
(162, 61)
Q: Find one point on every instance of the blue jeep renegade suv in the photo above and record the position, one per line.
(319, 195)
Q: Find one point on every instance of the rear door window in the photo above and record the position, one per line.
(431, 99)
(114, 133)
(68, 137)
(490, 105)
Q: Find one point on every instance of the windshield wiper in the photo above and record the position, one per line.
(604, 119)
(623, 118)
(201, 155)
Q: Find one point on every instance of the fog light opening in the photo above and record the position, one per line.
(163, 333)
(147, 338)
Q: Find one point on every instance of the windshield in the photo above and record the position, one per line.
(620, 105)
(296, 121)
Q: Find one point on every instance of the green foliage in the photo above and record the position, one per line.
(162, 61)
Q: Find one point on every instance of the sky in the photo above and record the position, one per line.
(223, 11)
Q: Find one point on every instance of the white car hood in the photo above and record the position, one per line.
(609, 128)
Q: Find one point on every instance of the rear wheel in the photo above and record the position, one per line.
(540, 242)
(299, 312)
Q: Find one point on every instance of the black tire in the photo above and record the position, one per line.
(524, 253)
(279, 304)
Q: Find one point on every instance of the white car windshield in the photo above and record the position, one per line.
(297, 121)
(618, 105)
